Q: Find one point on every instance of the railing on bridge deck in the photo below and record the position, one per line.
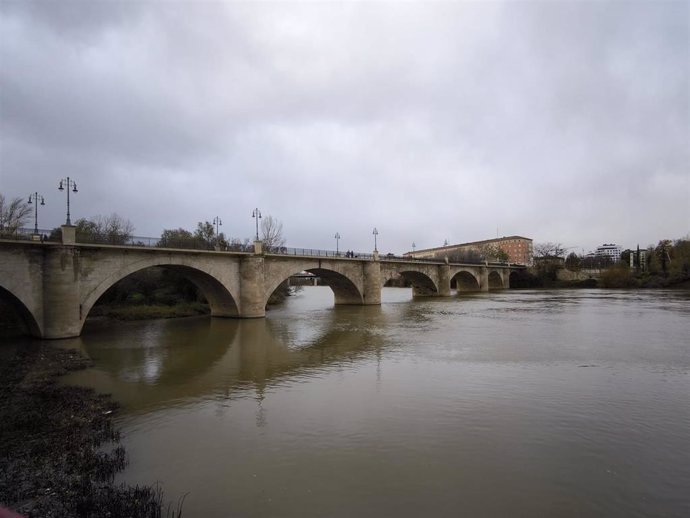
(26, 234)
(235, 246)
(316, 252)
(49, 235)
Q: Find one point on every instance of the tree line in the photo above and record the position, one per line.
(662, 265)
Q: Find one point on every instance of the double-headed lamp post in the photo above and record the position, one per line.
(217, 222)
(66, 183)
(337, 238)
(34, 198)
(376, 233)
(256, 214)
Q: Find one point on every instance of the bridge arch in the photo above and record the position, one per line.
(22, 311)
(514, 278)
(221, 301)
(466, 281)
(344, 288)
(495, 280)
(422, 284)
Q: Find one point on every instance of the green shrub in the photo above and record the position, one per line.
(618, 277)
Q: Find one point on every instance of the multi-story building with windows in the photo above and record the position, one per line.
(611, 251)
(518, 249)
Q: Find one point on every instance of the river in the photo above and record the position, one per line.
(518, 403)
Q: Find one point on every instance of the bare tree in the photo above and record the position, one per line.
(113, 229)
(205, 234)
(493, 252)
(549, 250)
(13, 214)
(272, 233)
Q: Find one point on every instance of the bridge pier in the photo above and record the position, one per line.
(372, 283)
(252, 302)
(444, 280)
(484, 274)
(62, 309)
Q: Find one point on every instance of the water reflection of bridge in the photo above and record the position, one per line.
(148, 365)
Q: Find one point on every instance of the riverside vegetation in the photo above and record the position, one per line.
(59, 450)
(666, 265)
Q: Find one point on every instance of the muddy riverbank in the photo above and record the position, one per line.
(59, 450)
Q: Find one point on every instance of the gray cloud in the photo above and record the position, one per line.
(561, 121)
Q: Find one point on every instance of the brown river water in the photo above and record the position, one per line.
(507, 404)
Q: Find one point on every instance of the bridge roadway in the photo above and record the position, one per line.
(53, 286)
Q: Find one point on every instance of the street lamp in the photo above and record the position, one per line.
(413, 246)
(33, 198)
(337, 238)
(217, 222)
(376, 233)
(65, 184)
(256, 213)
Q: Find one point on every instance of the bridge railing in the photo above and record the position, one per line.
(26, 234)
(393, 257)
(235, 246)
(157, 242)
(316, 252)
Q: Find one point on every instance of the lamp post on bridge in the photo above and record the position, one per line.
(33, 198)
(217, 222)
(376, 233)
(256, 214)
(65, 184)
(337, 238)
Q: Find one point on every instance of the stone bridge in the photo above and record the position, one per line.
(53, 286)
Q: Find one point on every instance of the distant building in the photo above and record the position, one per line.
(611, 251)
(637, 258)
(519, 249)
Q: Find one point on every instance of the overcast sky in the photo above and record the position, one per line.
(564, 121)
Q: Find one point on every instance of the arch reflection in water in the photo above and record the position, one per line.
(146, 365)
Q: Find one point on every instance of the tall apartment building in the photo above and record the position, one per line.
(611, 251)
(518, 248)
